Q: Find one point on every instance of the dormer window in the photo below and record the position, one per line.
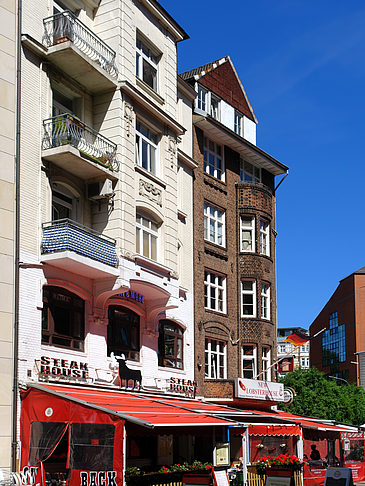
(202, 98)
(146, 64)
(214, 106)
(238, 122)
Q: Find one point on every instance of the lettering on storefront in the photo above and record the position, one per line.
(133, 296)
(182, 386)
(101, 478)
(29, 476)
(63, 368)
(259, 390)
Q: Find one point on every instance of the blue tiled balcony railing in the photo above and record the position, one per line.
(65, 26)
(67, 235)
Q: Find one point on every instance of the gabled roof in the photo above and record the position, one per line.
(201, 71)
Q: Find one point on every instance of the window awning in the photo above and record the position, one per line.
(143, 410)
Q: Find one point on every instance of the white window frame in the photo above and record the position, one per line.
(213, 169)
(215, 106)
(146, 53)
(266, 363)
(213, 287)
(304, 362)
(214, 222)
(238, 123)
(142, 230)
(245, 175)
(249, 357)
(265, 301)
(264, 238)
(152, 164)
(252, 292)
(282, 348)
(212, 358)
(202, 98)
(250, 229)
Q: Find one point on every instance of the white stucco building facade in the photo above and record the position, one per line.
(106, 194)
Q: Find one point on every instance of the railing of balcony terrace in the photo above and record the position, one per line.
(65, 26)
(66, 129)
(65, 234)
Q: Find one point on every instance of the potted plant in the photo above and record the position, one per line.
(283, 465)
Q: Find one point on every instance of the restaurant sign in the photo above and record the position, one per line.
(182, 387)
(259, 390)
(63, 368)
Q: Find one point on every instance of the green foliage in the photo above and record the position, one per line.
(326, 399)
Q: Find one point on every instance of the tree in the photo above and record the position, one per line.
(326, 399)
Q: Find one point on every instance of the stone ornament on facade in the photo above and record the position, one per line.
(128, 255)
(171, 150)
(153, 193)
(128, 117)
(174, 274)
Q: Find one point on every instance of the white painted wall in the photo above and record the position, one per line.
(249, 130)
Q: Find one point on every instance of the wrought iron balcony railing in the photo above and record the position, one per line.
(66, 129)
(65, 234)
(65, 26)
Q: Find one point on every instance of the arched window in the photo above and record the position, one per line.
(123, 332)
(62, 318)
(147, 234)
(170, 345)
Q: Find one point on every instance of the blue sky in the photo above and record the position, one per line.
(302, 66)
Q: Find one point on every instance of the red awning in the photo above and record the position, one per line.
(305, 422)
(259, 429)
(143, 410)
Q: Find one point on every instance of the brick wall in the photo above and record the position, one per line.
(223, 82)
(235, 198)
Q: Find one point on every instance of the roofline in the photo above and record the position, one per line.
(128, 418)
(186, 88)
(169, 22)
(242, 140)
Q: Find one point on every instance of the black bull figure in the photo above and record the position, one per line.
(127, 374)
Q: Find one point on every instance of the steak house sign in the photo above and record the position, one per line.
(63, 368)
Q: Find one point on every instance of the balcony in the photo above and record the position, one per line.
(78, 249)
(77, 148)
(77, 51)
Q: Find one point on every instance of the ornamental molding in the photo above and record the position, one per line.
(128, 117)
(172, 149)
(150, 191)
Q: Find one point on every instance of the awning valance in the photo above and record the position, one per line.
(259, 429)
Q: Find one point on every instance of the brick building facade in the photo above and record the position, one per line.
(234, 235)
(343, 320)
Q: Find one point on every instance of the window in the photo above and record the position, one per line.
(214, 225)
(146, 237)
(304, 362)
(215, 359)
(247, 233)
(146, 148)
(249, 173)
(123, 332)
(266, 359)
(170, 345)
(214, 292)
(248, 298)
(214, 107)
(249, 361)
(91, 447)
(213, 159)
(146, 64)
(264, 238)
(238, 122)
(202, 98)
(265, 301)
(62, 318)
(334, 342)
(282, 348)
